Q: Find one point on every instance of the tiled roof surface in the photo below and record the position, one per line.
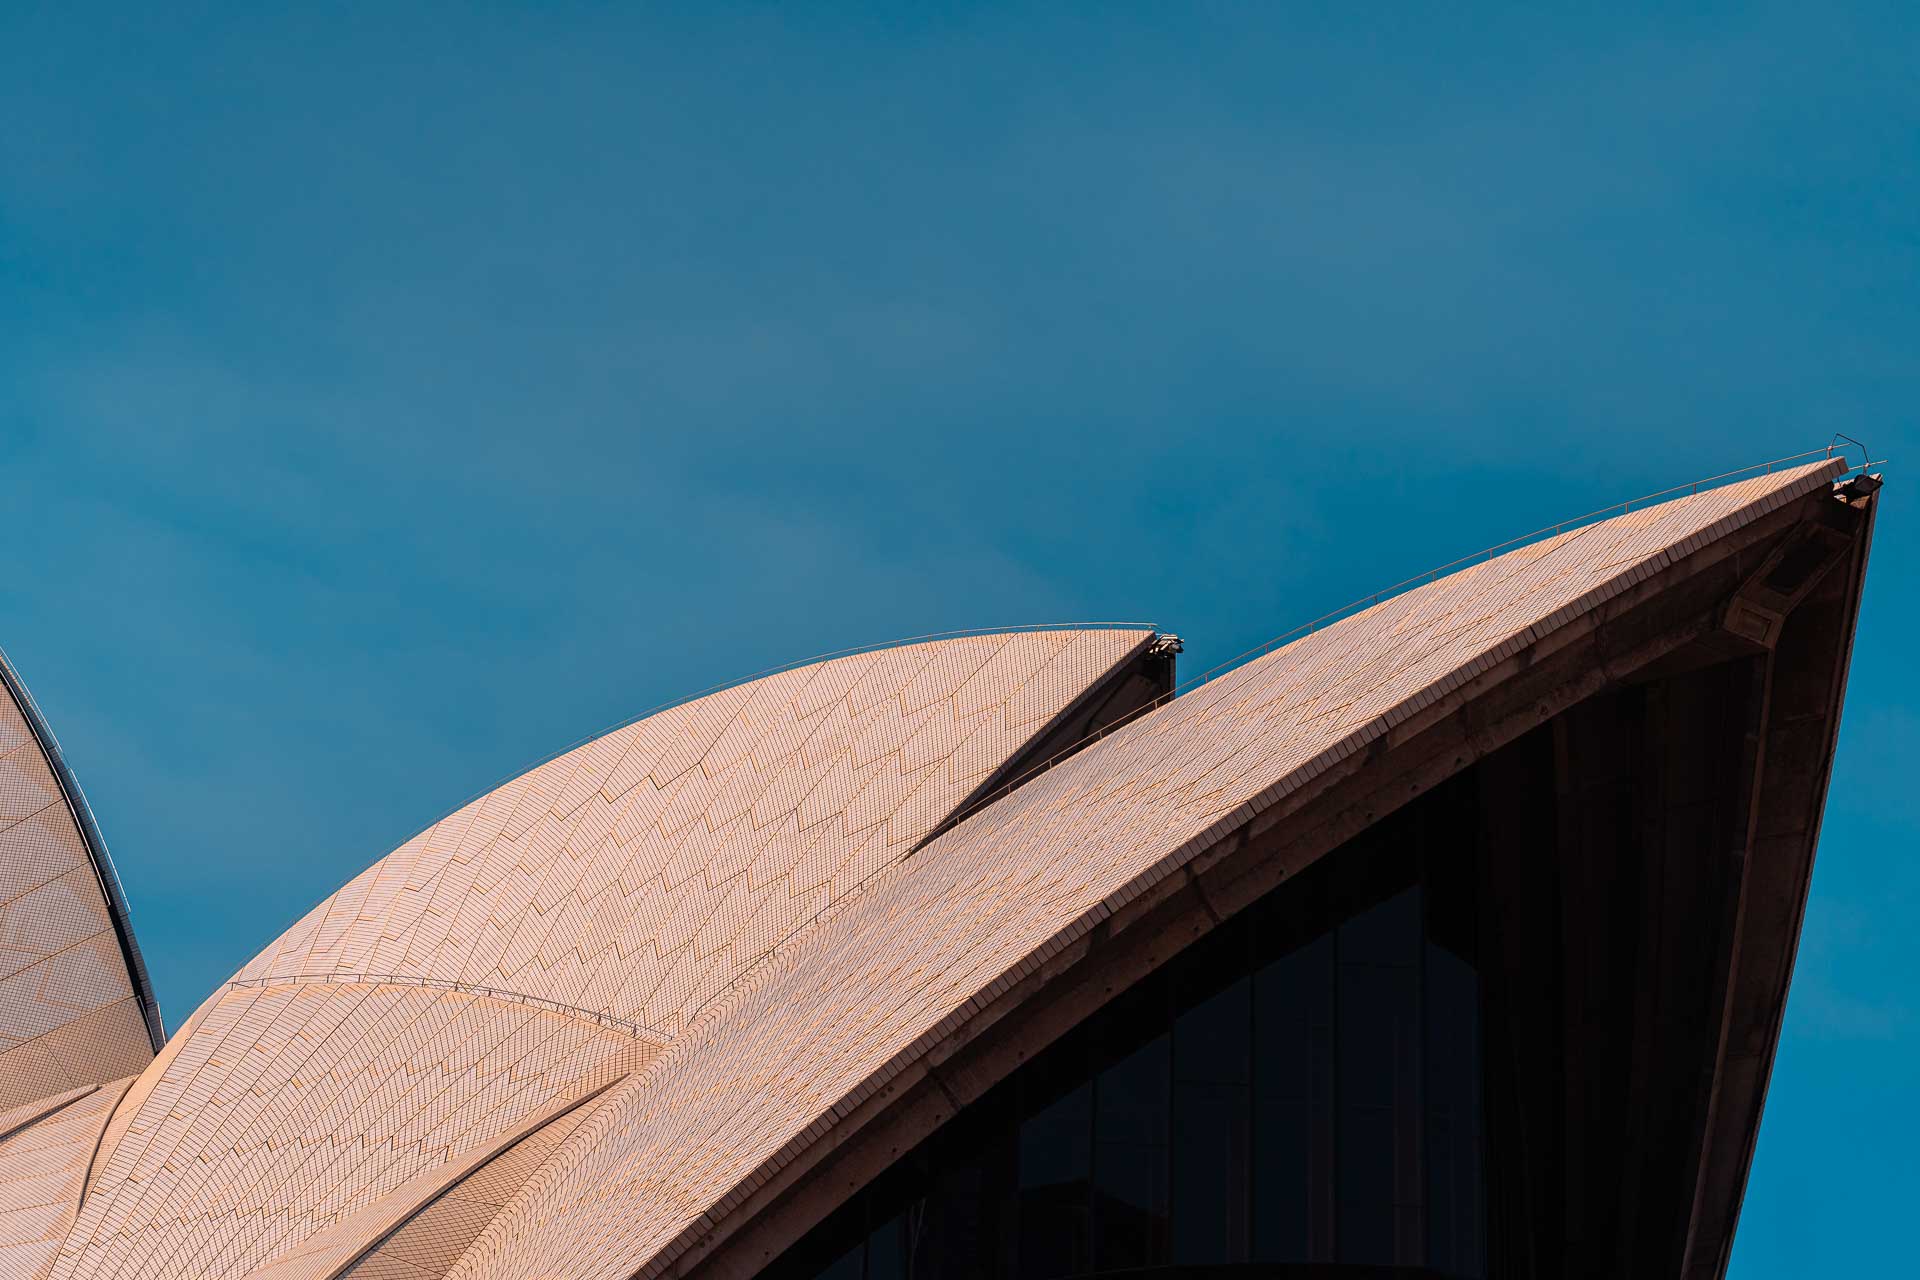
(433, 1241)
(840, 1011)
(288, 1107)
(26, 1113)
(635, 876)
(69, 1014)
(555, 932)
(41, 1169)
(437, 1205)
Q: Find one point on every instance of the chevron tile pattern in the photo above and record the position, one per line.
(42, 1167)
(557, 932)
(838, 1014)
(68, 1012)
(636, 876)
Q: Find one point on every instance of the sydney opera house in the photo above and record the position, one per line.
(1450, 937)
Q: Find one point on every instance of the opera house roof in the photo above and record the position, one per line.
(660, 1003)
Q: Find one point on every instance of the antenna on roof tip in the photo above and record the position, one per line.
(1866, 455)
(1861, 485)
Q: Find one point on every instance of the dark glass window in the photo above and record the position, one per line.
(1455, 1209)
(888, 1249)
(1130, 1155)
(1301, 1086)
(1293, 1106)
(847, 1265)
(1056, 1163)
(954, 1237)
(1212, 1071)
(1379, 1070)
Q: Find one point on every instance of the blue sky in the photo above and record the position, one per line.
(389, 400)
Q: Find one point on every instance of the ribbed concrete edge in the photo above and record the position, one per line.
(1817, 478)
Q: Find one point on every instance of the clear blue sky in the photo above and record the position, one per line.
(387, 401)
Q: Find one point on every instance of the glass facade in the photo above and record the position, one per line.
(1300, 1086)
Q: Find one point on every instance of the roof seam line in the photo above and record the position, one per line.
(51, 1108)
(635, 1030)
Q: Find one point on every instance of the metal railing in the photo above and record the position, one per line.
(1366, 602)
(1538, 535)
(642, 1031)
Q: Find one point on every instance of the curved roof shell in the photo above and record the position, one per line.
(837, 1024)
(598, 1022)
(44, 1153)
(75, 1005)
(551, 936)
(634, 877)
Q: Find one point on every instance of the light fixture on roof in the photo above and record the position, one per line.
(1862, 485)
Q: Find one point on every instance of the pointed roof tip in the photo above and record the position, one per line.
(1083, 841)
(1090, 842)
(1770, 483)
(520, 897)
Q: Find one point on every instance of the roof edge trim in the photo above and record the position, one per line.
(1009, 780)
(1692, 488)
(103, 869)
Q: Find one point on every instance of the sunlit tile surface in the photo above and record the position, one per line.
(906, 962)
(551, 935)
(42, 1166)
(568, 1028)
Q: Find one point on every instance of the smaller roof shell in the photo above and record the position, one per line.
(43, 1165)
(551, 936)
(75, 1003)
